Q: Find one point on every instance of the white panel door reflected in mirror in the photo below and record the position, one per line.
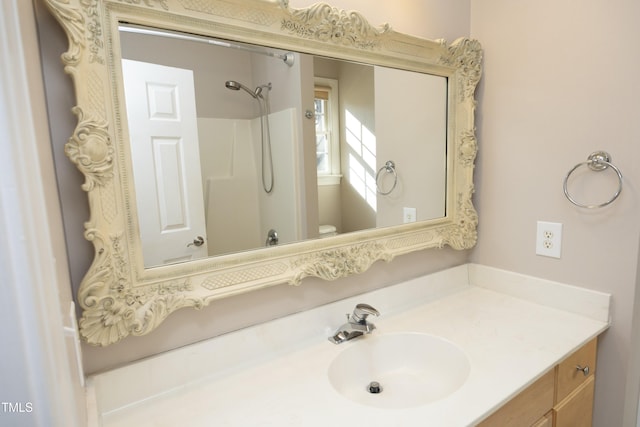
(165, 155)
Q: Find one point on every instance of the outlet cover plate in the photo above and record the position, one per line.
(409, 215)
(549, 239)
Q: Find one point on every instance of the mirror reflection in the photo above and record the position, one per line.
(237, 147)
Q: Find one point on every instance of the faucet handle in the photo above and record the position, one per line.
(362, 311)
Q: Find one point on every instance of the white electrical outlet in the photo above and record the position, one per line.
(409, 215)
(549, 239)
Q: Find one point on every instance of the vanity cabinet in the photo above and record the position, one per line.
(575, 383)
(560, 398)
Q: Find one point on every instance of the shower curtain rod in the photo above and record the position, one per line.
(288, 57)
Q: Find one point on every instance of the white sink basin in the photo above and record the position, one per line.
(412, 369)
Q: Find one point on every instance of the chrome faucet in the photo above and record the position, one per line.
(356, 325)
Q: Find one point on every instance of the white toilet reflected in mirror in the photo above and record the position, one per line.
(327, 230)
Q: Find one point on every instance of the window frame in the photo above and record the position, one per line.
(334, 175)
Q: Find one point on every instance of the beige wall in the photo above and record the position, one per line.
(561, 81)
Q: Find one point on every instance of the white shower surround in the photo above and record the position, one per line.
(231, 168)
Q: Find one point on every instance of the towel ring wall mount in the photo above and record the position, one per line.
(389, 167)
(597, 161)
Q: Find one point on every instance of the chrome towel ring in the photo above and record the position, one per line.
(389, 167)
(597, 161)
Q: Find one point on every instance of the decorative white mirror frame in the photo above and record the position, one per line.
(119, 297)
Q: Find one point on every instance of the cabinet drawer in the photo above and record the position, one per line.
(568, 377)
(527, 407)
(577, 409)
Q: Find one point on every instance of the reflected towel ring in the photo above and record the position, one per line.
(389, 167)
(597, 161)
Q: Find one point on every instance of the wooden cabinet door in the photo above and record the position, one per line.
(527, 407)
(569, 377)
(577, 409)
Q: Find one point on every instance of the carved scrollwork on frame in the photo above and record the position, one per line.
(465, 55)
(72, 20)
(94, 30)
(111, 318)
(91, 150)
(339, 262)
(118, 295)
(464, 235)
(112, 309)
(105, 316)
(149, 3)
(468, 148)
(328, 24)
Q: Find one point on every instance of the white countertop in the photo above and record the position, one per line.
(275, 374)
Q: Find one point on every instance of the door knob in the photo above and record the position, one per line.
(198, 241)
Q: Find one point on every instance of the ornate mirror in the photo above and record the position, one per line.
(232, 145)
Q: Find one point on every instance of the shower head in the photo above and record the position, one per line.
(234, 85)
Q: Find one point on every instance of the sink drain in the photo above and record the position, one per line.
(374, 387)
